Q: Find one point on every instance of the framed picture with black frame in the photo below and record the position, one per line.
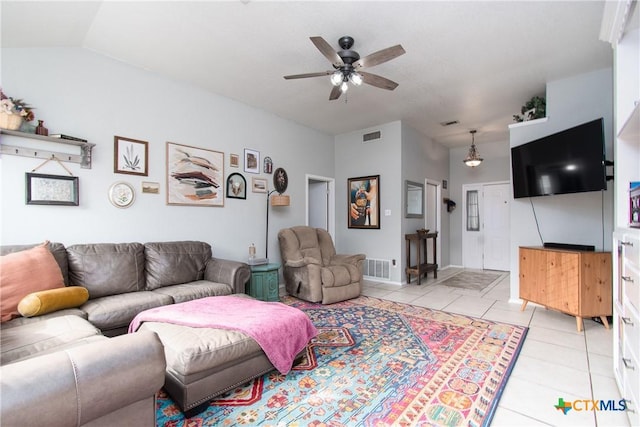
(363, 202)
(236, 186)
(60, 190)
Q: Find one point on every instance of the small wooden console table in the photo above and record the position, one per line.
(422, 265)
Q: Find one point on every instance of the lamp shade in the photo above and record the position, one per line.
(473, 159)
(280, 200)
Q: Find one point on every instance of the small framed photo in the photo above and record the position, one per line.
(236, 186)
(268, 165)
(131, 156)
(234, 160)
(51, 190)
(251, 161)
(150, 187)
(259, 185)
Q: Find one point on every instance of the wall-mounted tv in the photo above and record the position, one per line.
(571, 161)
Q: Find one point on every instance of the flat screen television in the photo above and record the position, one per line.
(570, 161)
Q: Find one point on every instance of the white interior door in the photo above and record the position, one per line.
(496, 226)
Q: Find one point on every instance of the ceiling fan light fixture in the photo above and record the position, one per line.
(336, 78)
(344, 87)
(356, 78)
(473, 159)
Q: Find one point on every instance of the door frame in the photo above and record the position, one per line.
(331, 201)
(438, 212)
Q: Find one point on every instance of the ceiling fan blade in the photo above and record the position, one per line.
(378, 81)
(328, 52)
(335, 93)
(380, 56)
(304, 76)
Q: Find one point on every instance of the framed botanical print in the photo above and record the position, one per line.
(363, 202)
(131, 156)
(51, 190)
(195, 176)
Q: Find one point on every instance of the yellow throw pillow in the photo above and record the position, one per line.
(44, 302)
(24, 272)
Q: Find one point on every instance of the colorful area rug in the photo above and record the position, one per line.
(473, 280)
(376, 363)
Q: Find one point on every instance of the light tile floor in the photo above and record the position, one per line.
(556, 360)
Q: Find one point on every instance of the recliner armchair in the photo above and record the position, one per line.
(313, 271)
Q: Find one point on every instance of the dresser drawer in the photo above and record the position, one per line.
(631, 251)
(630, 281)
(631, 380)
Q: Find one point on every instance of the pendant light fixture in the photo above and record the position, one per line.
(473, 159)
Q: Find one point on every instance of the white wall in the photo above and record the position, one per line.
(495, 167)
(380, 157)
(84, 94)
(582, 218)
(424, 159)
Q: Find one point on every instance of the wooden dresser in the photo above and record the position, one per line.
(573, 282)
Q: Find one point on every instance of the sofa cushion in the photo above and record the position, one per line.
(173, 263)
(117, 311)
(33, 339)
(58, 251)
(107, 268)
(18, 321)
(24, 272)
(195, 290)
(43, 302)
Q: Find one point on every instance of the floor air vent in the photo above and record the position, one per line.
(377, 268)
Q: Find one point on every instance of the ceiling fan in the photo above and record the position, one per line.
(348, 66)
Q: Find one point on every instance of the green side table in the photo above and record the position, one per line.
(264, 284)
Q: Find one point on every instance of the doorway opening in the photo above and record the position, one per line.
(320, 203)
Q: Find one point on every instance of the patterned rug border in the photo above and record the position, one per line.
(426, 399)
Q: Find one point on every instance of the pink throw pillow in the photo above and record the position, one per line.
(25, 272)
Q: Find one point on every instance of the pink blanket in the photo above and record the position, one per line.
(281, 331)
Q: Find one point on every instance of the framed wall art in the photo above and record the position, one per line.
(131, 156)
(259, 185)
(58, 190)
(251, 161)
(195, 176)
(268, 165)
(363, 202)
(121, 194)
(234, 160)
(236, 186)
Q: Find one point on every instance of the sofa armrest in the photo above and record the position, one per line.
(347, 259)
(233, 273)
(302, 262)
(82, 384)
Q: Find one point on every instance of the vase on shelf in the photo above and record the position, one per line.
(41, 130)
(10, 121)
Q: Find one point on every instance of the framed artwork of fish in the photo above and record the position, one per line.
(195, 176)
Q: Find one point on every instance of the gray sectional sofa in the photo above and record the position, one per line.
(68, 350)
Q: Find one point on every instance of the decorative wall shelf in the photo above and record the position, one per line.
(528, 122)
(84, 158)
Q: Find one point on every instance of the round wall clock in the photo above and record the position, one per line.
(280, 180)
(121, 194)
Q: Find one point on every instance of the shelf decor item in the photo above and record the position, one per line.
(535, 108)
(41, 130)
(13, 112)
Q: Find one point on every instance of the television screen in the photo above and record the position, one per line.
(571, 161)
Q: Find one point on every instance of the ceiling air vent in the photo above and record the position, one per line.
(368, 137)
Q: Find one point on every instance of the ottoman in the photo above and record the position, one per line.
(204, 362)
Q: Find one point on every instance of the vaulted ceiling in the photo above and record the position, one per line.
(475, 62)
